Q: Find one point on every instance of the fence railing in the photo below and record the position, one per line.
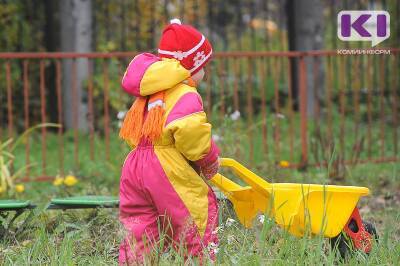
(309, 108)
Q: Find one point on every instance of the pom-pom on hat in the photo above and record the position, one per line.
(186, 44)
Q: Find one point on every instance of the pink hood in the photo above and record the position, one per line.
(148, 74)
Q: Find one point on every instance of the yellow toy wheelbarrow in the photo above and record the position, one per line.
(299, 208)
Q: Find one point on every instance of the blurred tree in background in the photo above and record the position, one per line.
(76, 36)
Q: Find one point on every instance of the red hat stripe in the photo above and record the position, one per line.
(179, 54)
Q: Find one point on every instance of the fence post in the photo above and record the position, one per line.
(303, 111)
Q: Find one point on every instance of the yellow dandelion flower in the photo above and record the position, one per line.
(20, 188)
(58, 181)
(1, 189)
(284, 164)
(70, 180)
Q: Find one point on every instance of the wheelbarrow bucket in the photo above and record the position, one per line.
(298, 208)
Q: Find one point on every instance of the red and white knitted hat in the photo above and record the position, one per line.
(186, 44)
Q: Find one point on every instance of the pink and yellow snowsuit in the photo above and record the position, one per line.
(159, 189)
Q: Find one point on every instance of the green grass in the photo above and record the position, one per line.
(90, 237)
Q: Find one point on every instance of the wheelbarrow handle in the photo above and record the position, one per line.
(255, 181)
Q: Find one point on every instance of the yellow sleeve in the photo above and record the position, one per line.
(192, 135)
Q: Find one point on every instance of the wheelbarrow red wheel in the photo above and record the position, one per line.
(344, 243)
(356, 235)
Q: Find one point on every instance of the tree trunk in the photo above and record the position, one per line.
(305, 26)
(76, 36)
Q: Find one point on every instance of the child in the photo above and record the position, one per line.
(166, 125)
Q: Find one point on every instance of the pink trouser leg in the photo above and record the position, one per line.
(183, 230)
(141, 225)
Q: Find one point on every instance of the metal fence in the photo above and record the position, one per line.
(337, 109)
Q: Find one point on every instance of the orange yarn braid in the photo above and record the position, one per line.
(131, 128)
(134, 129)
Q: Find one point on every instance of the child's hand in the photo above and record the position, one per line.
(210, 170)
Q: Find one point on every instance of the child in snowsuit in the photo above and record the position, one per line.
(168, 130)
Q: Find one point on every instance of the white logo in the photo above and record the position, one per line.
(199, 58)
